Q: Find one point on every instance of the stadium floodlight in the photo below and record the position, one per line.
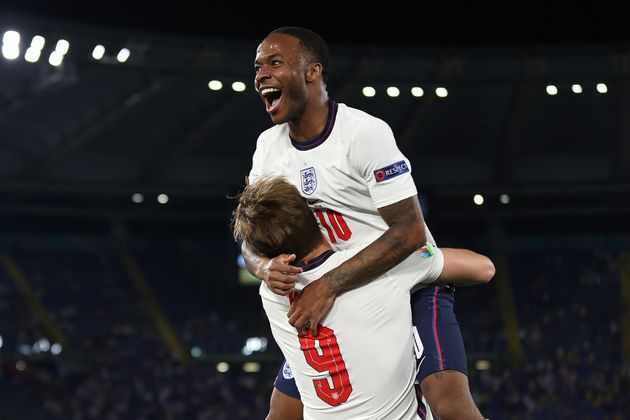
(32, 55)
(417, 91)
(62, 46)
(123, 55)
(11, 38)
(98, 52)
(1, 342)
(137, 198)
(393, 91)
(195, 352)
(215, 85)
(576, 88)
(11, 45)
(55, 59)
(251, 367)
(162, 198)
(223, 367)
(602, 88)
(369, 91)
(238, 86)
(38, 42)
(504, 199)
(56, 349)
(478, 199)
(441, 92)
(551, 90)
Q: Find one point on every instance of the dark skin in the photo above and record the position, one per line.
(282, 64)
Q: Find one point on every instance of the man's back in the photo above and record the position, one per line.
(361, 364)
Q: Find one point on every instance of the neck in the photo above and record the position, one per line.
(312, 121)
(317, 251)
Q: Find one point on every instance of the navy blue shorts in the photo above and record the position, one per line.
(434, 319)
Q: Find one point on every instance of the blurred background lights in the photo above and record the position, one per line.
(478, 199)
(98, 52)
(369, 91)
(417, 91)
(123, 55)
(238, 86)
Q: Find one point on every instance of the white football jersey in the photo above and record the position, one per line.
(353, 168)
(362, 364)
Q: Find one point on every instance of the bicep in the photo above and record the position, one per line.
(404, 211)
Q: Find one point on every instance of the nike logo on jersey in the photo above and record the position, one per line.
(313, 202)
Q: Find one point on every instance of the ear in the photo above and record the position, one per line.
(314, 72)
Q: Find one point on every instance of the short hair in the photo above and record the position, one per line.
(273, 218)
(312, 43)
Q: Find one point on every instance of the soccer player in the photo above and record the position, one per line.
(357, 182)
(360, 364)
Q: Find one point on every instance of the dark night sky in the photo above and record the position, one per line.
(447, 23)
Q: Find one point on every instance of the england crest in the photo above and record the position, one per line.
(287, 373)
(308, 180)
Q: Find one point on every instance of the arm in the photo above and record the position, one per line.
(405, 235)
(463, 267)
(277, 272)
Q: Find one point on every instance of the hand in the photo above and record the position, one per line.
(311, 306)
(279, 275)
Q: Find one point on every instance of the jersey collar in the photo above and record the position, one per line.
(330, 122)
(315, 262)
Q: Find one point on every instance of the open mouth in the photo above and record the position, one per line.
(272, 98)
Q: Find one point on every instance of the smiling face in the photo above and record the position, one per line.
(281, 77)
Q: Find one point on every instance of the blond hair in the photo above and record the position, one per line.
(273, 218)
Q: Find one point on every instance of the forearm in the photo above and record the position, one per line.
(380, 256)
(463, 267)
(253, 260)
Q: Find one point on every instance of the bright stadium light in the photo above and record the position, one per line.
(478, 199)
(32, 55)
(56, 349)
(11, 45)
(44, 344)
(602, 88)
(238, 86)
(504, 199)
(123, 55)
(393, 91)
(441, 92)
(215, 85)
(369, 91)
(98, 52)
(55, 59)
(11, 38)
(62, 46)
(137, 198)
(38, 42)
(576, 88)
(195, 352)
(551, 90)
(251, 367)
(417, 91)
(162, 198)
(223, 367)
(1, 342)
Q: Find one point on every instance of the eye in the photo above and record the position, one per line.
(275, 62)
(256, 69)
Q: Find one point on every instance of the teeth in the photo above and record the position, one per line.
(267, 91)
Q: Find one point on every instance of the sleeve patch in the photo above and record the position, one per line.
(391, 171)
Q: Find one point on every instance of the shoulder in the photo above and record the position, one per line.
(361, 123)
(270, 137)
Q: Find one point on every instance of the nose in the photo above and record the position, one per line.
(261, 75)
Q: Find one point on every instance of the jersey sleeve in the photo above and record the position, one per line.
(423, 266)
(257, 163)
(386, 171)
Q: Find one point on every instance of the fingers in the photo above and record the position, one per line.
(282, 264)
(280, 288)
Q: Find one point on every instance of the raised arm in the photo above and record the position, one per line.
(463, 267)
(277, 272)
(405, 234)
